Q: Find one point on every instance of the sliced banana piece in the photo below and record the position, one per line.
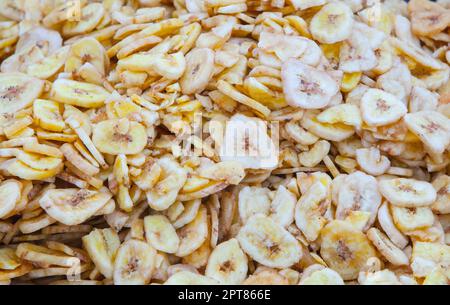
(253, 200)
(246, 141)
(73, 206)
(91, 16)
(194, 234)
(199, 70)
(49, 66)
(171, 180)
(160, 233)
(305, 86)
(333, 23)
(47, 115)
(18, 91)
(330, 132)
(442, 186)
(411, 219)
(371, 161)
(408, 193)
(393, 254)
(10, 193)
(380, 108)
(134, 263)
(310, 210)
(345, 249)
(227, 263)
(358, 192)
(432, 127)
(269, 243)
(282, 206)
(102, 245)
(387, 224)
(78, 93)
(86, 50)
(119, 136)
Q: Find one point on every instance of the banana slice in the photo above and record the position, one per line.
(431, 127)
(91, 16)
(17, 168)
(358, 192)
(18, 91)
(310, 211)
(427, 256)
(333, 23)
(428, 18)
(393, 254)
(10, 193)
(324, 276)
(134, 263)
(48, 66)
(371, 161)
(345, 249)
(39, 36)
(442, 186)
(231, 172)
(246, 141)
(39, 162)
(86, 50)
(387, 224)
(331, 132)
(42, 255)
(356, 54)
(227, 263)
(347, 114)
(408, 193)
(190, 210)
(47, 114)
(171, 180)
(189, 278)
(305, 86)
(199, 70)
(410, 219)
(160, 233)
(102, 246)
(73, 206)
(119, 136)
(380, 108)
(78, 93)
(283, 206)
(283, 46)
(8, 259)
(194, 234)
(268, 243)
(253, 200)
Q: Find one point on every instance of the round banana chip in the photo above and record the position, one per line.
(307, 87)
(333, 23)
(10, 194)
(268, 243)
(18, 91)
(345, 249)
(227, 263)
(134, 263)
(73, 206)
(408, 193)
(119, 136)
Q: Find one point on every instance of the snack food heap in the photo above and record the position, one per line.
(224, 142)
